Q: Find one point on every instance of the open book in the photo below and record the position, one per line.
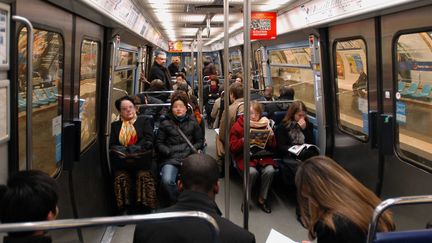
(298, 149)
(259, 137)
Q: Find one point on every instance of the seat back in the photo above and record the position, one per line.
(413, 88)
(278, 116)
(401, 86)
(426, 90)
(417, 236)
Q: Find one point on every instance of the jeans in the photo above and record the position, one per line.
(168, 181)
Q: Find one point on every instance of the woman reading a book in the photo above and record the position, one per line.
(131, 140)
(261, 161)
(295, 129)
(334, 206)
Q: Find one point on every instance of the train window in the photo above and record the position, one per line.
(351, 84)
(88, 77)
(126, 58)
(48, 53)
(291, 66)
(236, 66)
(414, 100)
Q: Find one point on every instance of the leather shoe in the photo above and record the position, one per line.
(264, 207)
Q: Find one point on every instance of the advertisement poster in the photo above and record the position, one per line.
(175, 46)
(340, 67)
(263, 26)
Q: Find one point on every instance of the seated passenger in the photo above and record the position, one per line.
(261, 161)
(181, 79)
(295, 129)
(211, 93)
(131, 144)
(158, 85)
(172, 147)
(268, 93)
(155, 112)
(193, 101)
(334, 206)
(29, 196)
(198, 185)
(286, 93)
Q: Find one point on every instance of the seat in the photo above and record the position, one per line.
(39, 97)
(425, 92)
(411, 90)
(418, 236)
(50, 94)
(278, 116)
(401, 86)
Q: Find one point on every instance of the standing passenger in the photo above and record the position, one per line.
(198, 184)
(174, 67)
(29, 196)
(159, 71)
(334, 206)
(172, 146)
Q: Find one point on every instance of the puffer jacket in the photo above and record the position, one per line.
(170, 145)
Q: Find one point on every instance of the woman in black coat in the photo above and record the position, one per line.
(131, 141)
(172, 147)
(295, 129)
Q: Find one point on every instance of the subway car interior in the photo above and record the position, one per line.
(359, 73)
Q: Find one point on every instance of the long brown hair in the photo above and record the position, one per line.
(296, 106)
(325, 189)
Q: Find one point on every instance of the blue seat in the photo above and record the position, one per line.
(39, 97)
(425, 92)
(417, 236)
(278, 116)
(50, 94)
(411, 90)
(401, 86)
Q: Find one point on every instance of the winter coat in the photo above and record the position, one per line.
(160, 72)
(292, 134)
(236, 147)
(171, 146)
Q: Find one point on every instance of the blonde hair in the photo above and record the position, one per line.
(325, 189)
(257, 107)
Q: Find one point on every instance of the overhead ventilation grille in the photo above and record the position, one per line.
(213, 8)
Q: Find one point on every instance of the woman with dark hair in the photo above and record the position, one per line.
(261, 162)
(172, 146)
(295, 129)
(334, 206)
(131, 141)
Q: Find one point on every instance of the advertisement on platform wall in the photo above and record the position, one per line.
(263, 26)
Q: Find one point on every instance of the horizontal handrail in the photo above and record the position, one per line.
(383, 206)
(154, 105)
(100, 221)
(158, 92)
(121, 90)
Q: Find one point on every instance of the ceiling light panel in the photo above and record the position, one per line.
(189, 18)
(219, 18)
(180, 1)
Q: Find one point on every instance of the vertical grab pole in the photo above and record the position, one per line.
(200, 71)
(246, 77)
(115, 43)
(226, 108)
(29, 101)
(192, 68)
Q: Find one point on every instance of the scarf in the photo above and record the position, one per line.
(128, 135)
(295, 133)
(263, 123)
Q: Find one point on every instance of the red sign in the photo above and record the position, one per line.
(263, 25)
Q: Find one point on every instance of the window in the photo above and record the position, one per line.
(414, 100)
(235, 61)
(88, 82)
(47, 82)
(352, 87)
(292, 67)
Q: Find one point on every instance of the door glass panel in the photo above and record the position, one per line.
(236, 66)
(126, 58)
(351, 84)
(123, 85)
(88, 78)
(291, 66)
(414, 106)
(47, 82)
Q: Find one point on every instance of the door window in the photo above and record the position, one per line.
(88, 81)
(350, 65)
(413, 96)
(291, 66)
(47, 79)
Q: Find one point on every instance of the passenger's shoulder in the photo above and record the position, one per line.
(231, 232)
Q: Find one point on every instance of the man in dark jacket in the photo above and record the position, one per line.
(159, 71)
(174, 67)
(286, 93)
(198, 185)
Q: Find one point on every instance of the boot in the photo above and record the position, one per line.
(146, 189)
(122, 190)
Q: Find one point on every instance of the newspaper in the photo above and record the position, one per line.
(276, 237)
(259, 137)
(297, 149)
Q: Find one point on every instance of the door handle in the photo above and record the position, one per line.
(373, 128)
(29, 101)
